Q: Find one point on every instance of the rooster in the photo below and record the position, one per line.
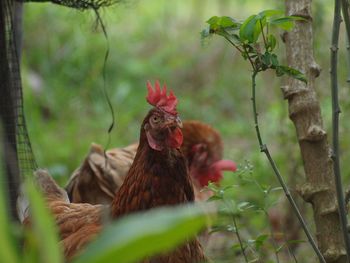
(158, 177)
(102, 173)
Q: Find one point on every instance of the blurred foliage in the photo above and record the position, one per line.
(129, 239)
(63, 56)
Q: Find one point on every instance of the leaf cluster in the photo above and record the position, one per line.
(232, 212)
(255, 40)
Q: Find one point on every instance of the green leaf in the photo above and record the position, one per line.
(217, 228)
(226, 21)
(218, 24)
(260, 240)
(286, 23)
(214, 198)
(266, 58)
(237, 246)
(271, 13)
(292, 72)
(8, 251)
(274, 60)
(244, 206)
(213, 20)
(271, 42)
(249, 29)
(43, 226)
(140, 235)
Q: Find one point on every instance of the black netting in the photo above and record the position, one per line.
(81, 4)
(18, 156)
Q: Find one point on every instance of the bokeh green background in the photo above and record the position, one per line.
(62, 72)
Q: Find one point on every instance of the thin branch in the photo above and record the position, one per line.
(256, 121)
(229, 206)
(273, 240)
(348, 58)
(345, 9)
(239, 238)
(250, 60)
(264, 149)
(335, 123)
(231, 42)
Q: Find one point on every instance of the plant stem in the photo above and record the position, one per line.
(335, 122)
(233, 44)
(273, 241)
(250, 60)
(263, 148)
(230, 208)
(345, 9)
(239, 238)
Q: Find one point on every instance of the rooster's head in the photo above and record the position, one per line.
(162, 124)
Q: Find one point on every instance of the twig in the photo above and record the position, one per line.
(239, 238)
(229, 206)
(345, 9)
(273, 241)
(263, 148)
(231, 42)
(335, 120)
(249, 58)
(348, 58)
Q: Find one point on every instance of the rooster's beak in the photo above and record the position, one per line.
(173, 122)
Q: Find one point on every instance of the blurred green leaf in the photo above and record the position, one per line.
(270, 13)
(266, 58)
(292, 72)
(271, 42)
(249, 29)
(214, 198)
(43, 226)
(140, 235)
(8, 251)
(286, 23)
(260, 240)
(216, 22)
(274, 60)
(244, 206)
(213, 20)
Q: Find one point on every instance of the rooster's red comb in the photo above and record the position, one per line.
(159, 99)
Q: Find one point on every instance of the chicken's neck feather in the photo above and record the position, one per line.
(156, 178)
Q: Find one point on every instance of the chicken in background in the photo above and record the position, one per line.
(102, 173)
(157, 177)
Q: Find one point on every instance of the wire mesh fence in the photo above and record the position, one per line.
(18, 156)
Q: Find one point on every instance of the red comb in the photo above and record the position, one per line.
(159, 99)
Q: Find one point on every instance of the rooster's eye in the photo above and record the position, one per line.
(155, 119)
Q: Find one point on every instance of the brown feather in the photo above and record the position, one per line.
(156, 178)
(98, 178)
